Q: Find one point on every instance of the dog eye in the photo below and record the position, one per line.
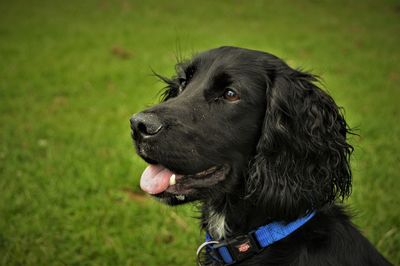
(231, 95)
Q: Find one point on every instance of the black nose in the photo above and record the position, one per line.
(145, 125)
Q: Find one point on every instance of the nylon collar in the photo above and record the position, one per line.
(230, 251)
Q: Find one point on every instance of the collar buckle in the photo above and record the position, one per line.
(241, 247)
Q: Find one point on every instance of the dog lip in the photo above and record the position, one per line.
(147, 159)
(204, 173)
(187, 183)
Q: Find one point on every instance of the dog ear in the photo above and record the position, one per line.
(302, 157)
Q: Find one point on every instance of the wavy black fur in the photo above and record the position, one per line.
(302, 151)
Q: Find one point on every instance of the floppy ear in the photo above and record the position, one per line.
(302, 158)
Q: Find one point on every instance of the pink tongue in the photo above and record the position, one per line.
(155, 179)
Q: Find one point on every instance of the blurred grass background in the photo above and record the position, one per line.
(72, 73)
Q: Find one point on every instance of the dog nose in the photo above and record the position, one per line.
(145, 125)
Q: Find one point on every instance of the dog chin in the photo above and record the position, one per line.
(174, 200)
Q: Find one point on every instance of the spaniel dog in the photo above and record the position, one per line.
(264, 150)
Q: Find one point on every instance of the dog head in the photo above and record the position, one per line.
(240, 121)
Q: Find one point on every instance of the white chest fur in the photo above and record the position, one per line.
(216, 225)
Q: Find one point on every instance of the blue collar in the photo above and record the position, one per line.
(241, 247)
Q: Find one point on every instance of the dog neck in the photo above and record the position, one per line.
(231, 215)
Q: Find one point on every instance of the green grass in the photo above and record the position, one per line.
(72, 73)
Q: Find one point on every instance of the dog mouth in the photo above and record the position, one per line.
(158, 180)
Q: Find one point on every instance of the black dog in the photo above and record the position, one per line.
(256, 142)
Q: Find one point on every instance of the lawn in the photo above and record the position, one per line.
(72, 73)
